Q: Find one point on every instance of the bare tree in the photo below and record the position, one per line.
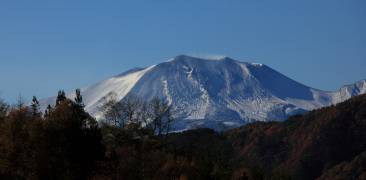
(112, 111)
(131, 108)
(20, 102)
(134, 112)
(161, 116)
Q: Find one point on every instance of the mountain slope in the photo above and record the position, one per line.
(355, 169)
(329, 140)
(219, 94)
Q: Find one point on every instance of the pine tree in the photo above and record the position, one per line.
(35, 107)
(83, 116)
(60, 97)
(3, 109)
(79, 98)
(48, 111)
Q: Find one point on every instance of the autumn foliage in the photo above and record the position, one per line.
(65, 142)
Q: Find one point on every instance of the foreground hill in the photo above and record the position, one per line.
(330, 140)
(215, 93)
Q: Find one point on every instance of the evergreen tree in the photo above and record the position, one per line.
(79, 98)
(48, 111)
(35, 107)
(85, 118)
(61, 96)
(3, 109)
(72, 145)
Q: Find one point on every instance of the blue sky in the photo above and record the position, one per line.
(50, 45)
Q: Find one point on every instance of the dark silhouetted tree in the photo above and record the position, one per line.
(112, 112)
(3, 109)
(78, 98)
(130, 107)
(61, 96)
(35, 107)
(161, 117)
(72, 144)
(48, 111)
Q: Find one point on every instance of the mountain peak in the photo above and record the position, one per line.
(208, 57)
(215, 91)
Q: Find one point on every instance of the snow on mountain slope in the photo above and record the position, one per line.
(349, 91)
(118, 86)
(219, 94)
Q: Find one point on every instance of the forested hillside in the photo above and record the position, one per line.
(65, 142)
(304, 147)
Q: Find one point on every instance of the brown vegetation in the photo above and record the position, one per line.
(67, 143)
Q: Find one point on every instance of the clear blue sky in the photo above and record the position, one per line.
(50, 45)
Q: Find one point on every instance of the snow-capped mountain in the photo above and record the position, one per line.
(219, 93)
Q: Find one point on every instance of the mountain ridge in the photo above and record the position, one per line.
(218, 93)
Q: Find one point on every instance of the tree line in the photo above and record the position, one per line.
(66, 142)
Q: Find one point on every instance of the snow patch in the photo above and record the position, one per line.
(166, 92)
(257, 64)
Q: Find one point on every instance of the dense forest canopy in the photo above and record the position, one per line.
(65, 142)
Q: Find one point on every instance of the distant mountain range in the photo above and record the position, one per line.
(215, 93)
